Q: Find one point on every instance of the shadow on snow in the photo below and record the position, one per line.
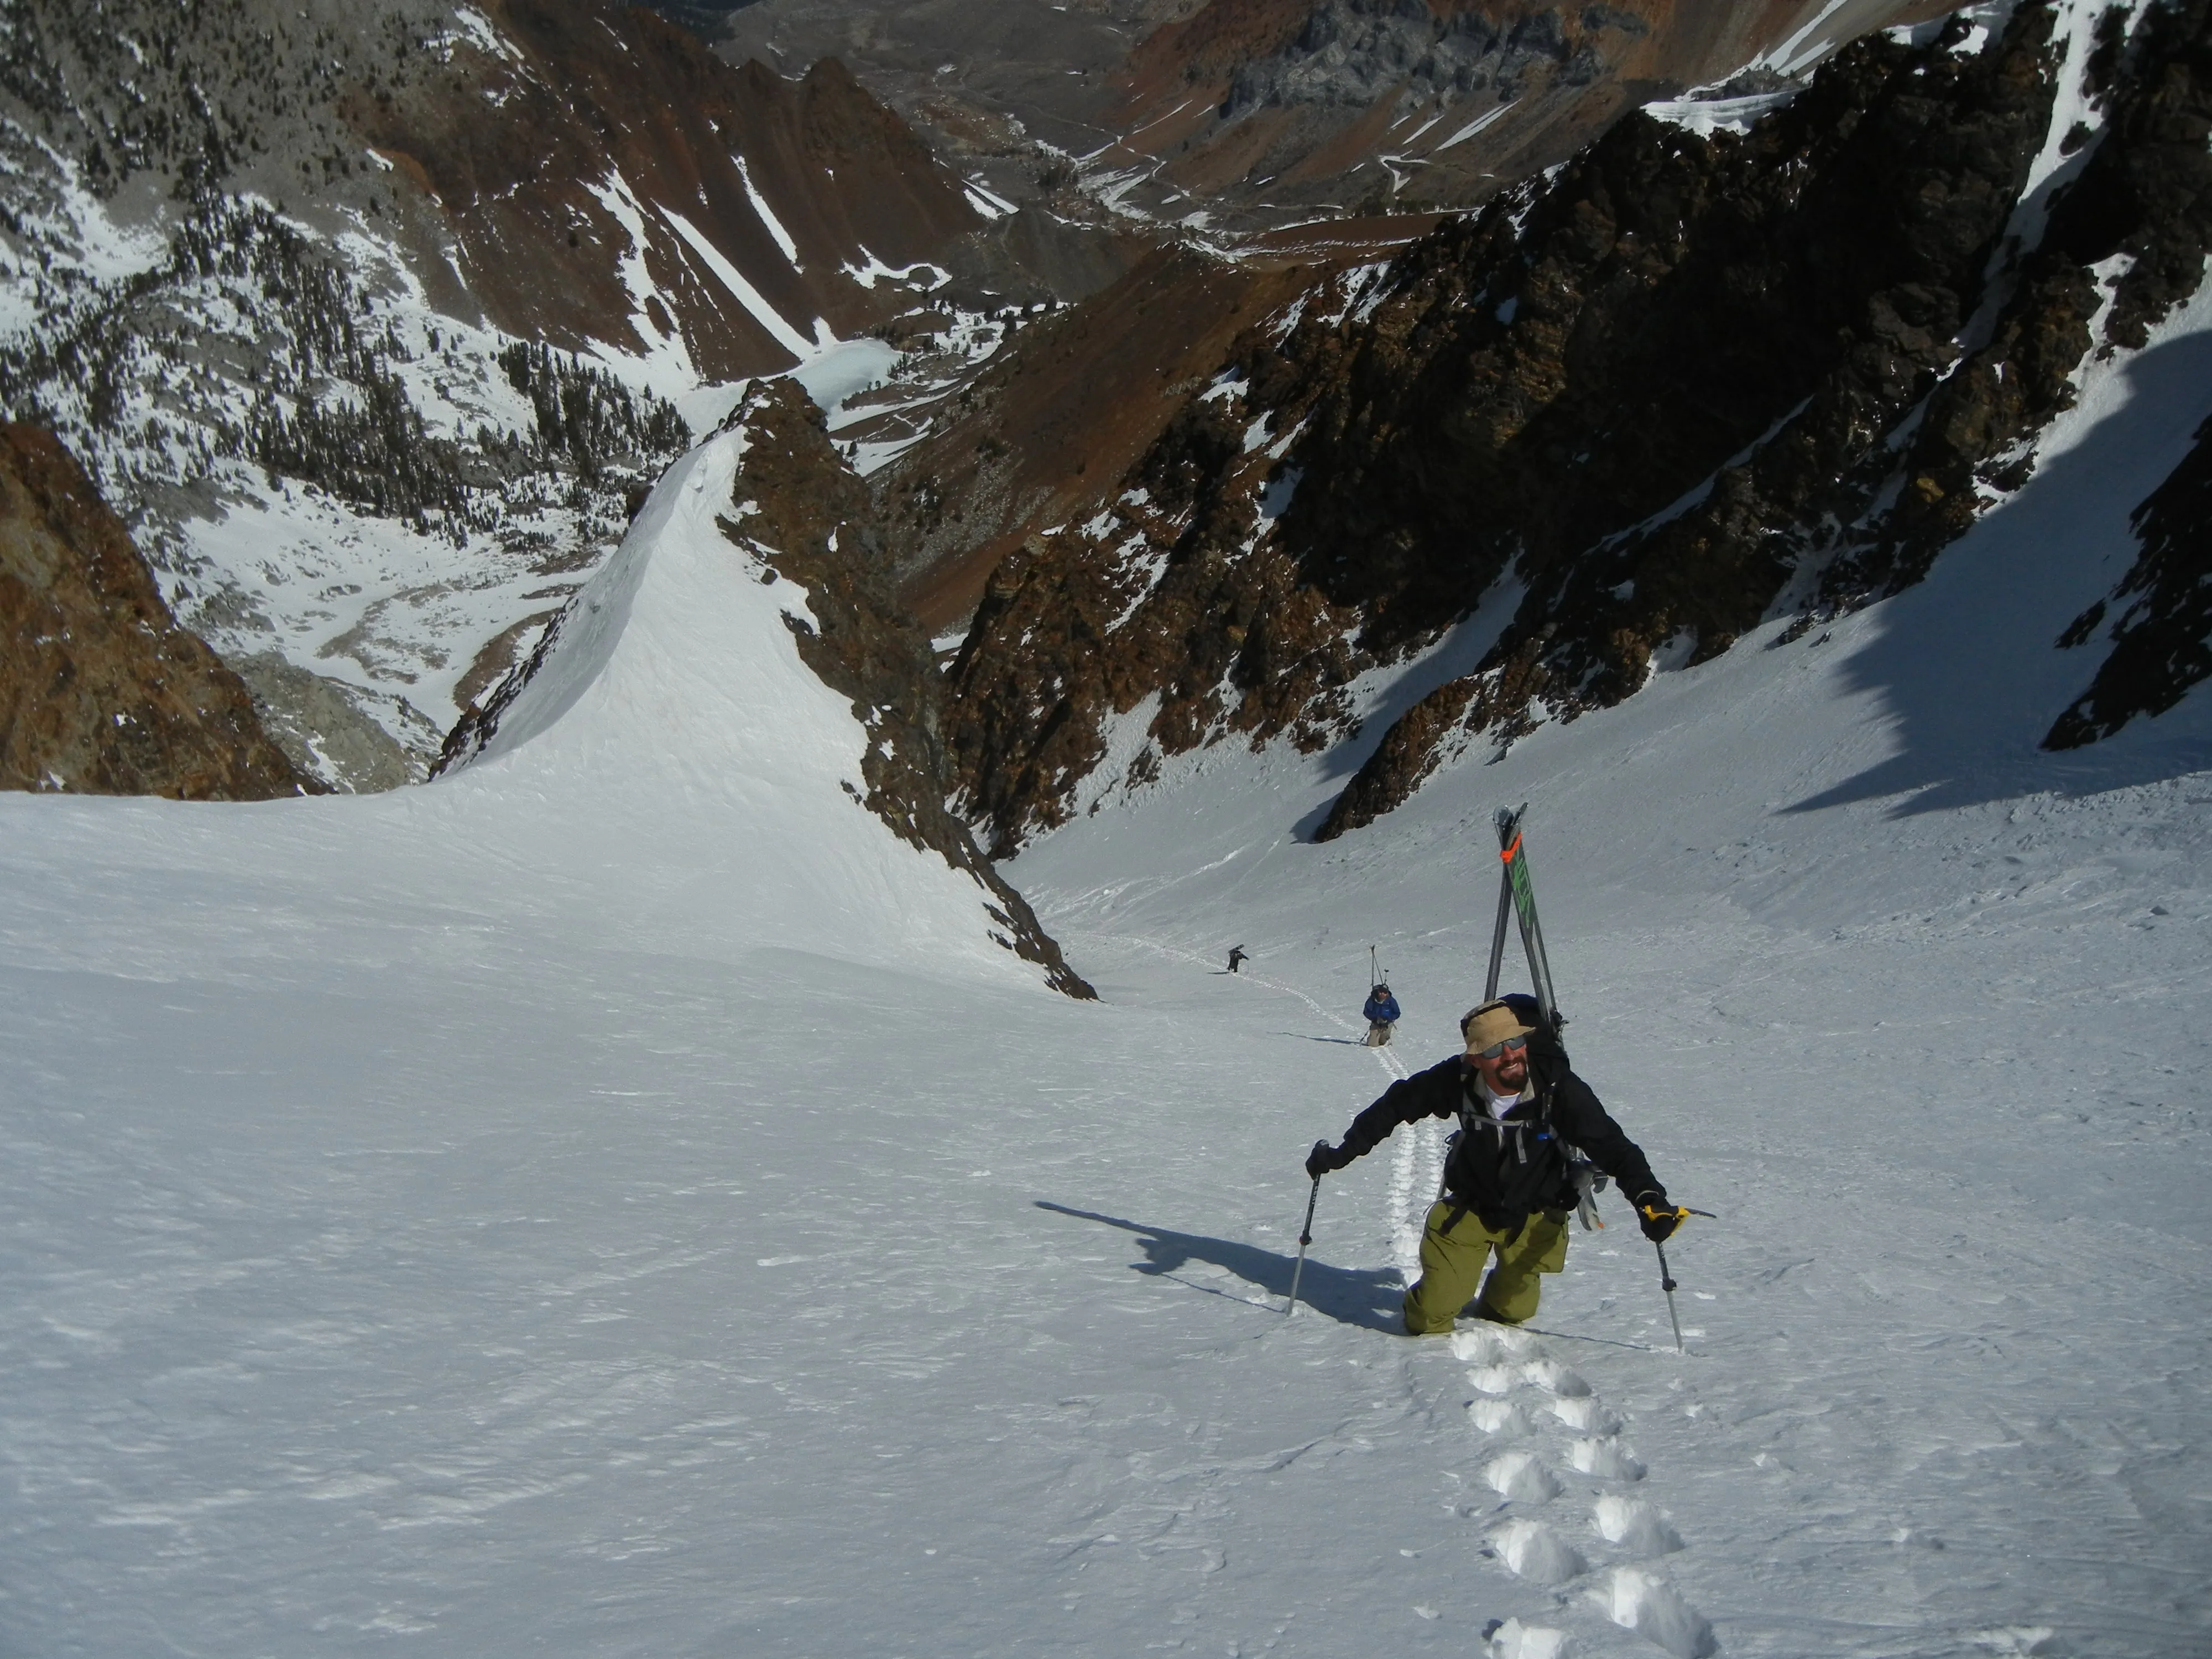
(1371, 1297)
(1966, 663)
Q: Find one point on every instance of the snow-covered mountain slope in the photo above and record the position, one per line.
(537, 1213)
(375, 324)
(708, 690)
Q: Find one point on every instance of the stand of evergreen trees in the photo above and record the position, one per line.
(251, 342)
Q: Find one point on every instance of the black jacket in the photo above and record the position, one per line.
(1507, 1171)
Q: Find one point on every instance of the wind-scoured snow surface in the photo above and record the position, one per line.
(616, 1200)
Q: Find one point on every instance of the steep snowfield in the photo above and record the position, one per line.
(616, 1200)
(1917, 1008)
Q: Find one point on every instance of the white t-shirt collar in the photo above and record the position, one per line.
(1498, 1104)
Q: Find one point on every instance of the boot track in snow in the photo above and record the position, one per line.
(1552, 1438)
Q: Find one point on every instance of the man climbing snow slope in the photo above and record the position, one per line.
(1382, 1011)
(1529, 1131)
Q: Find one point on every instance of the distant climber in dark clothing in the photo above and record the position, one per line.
(1235, 958)
(1510, 1180)
(1381, 1013)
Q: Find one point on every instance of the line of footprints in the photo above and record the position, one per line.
(1522, 1396)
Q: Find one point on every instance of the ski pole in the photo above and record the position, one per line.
(1666, 1284)
(1305, 1237)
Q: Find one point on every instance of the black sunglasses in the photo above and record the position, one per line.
(1516, 1044)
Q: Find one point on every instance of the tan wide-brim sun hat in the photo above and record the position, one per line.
(1494, 1021)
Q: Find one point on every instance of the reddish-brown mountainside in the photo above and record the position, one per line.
(1248, 112)
(100, 692)
(538, 145)
(1046, 432)
(1338, 99)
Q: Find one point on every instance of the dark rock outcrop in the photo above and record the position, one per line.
(1685, 385)
(1649, 396)
(1922, 421)
(100, 691)
(2145, 196)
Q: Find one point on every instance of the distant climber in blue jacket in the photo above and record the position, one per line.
(1382, 1011)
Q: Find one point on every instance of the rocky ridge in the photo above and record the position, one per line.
(798, 513)
(1686, 384)
(1356, 102)
(100, 691)
(1040, 433)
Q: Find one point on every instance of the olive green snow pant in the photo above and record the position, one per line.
(1453, 1258)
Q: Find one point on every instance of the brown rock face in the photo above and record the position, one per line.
(1676, 385)
(1060, 414)
(1176, 595)
(1266, 110)
(1365, 102)
(100, 692)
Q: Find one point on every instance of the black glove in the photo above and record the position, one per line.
(1657, 1216)
(1325, 1158)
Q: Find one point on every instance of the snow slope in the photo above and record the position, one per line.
(614, 1200)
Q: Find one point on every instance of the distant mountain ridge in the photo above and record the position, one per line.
(1232, 116)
